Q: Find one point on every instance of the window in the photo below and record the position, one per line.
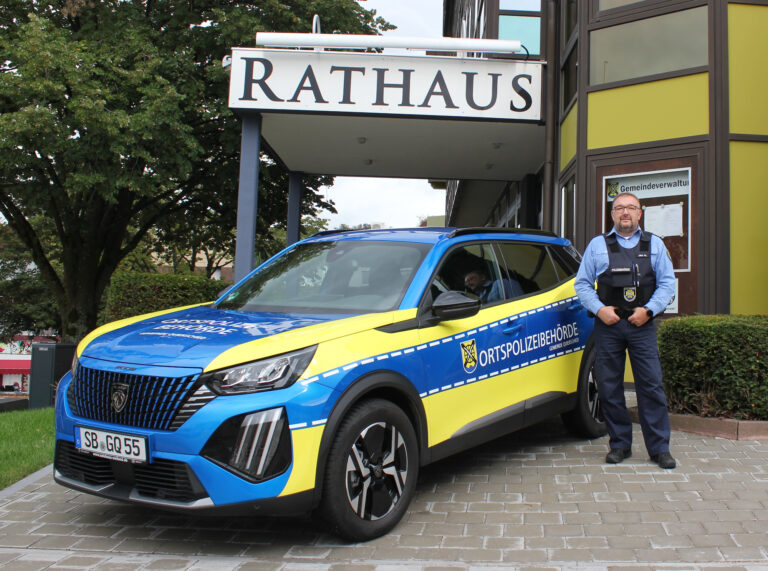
(520, 5)
(473, 269)
(566, 261)
(521, 20)
(332, 277)
(512, 215)
(526, 267)
(662, 44)
(570, 79)
(568, 209)
(469, 19)
(570, 19)
(523, 28)
(610, 4)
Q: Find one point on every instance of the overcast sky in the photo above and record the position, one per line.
(396, 203)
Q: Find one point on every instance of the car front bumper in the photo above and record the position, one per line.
(183, 474)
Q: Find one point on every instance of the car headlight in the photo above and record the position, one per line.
(273, 373)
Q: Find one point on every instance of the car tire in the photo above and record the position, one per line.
(371, 471)
(586, 419)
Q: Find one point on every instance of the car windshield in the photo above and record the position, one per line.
(331, 277)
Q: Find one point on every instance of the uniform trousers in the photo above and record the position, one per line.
(611, 342)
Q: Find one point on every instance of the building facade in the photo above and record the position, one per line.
(660, 98)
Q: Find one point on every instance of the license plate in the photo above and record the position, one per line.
(112, 445)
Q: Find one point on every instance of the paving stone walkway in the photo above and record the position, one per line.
(535, 499)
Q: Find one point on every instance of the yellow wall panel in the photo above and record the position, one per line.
(748, 82)
(749, 203)
(568, 136)
(654, 111)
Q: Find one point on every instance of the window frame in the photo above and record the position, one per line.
(643, 8)
(656, 9)
(563, 186)
(527, 14)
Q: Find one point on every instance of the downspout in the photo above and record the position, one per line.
(550, 106)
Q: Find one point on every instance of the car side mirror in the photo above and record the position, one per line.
(455, 305)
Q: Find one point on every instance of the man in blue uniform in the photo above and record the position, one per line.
(478, 283)
(635, 282)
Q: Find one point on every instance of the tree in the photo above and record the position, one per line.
(205, 231)
(27, 304)
(113, 116)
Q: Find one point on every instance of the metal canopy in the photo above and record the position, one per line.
(404, 147)
(368, 114)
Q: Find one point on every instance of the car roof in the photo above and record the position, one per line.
(432, 235)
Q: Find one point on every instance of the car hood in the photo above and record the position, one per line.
(196, 336)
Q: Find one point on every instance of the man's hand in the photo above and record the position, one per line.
(639, 317)
(607, 315)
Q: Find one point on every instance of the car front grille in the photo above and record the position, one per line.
(162, 479)
(159, 403)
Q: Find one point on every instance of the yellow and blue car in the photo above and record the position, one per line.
(329, 375)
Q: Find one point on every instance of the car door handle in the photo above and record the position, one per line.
(575, 305)
(513, 329)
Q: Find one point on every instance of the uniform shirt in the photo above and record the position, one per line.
(595, 262)
(490, 291)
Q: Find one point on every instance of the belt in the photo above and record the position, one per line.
(624, 313)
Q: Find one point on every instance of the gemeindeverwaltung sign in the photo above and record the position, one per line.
(366, 83)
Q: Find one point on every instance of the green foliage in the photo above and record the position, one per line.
(27, 443)
(716, 365)
(26, 301)
(136, 293)
(114, 117)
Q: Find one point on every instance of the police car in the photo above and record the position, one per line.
(327, 377)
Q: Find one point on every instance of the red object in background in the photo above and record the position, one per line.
(15, 366)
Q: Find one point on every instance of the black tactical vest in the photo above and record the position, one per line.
(629, 281)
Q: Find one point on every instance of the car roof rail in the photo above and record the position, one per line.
(326, 232)
(425, 229)
(497, 230)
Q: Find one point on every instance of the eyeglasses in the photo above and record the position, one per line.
(631, 208)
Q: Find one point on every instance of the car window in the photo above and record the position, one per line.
(567, 265)
(473, 269)
(332, 277)
(528, 267)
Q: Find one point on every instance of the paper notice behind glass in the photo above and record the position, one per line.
(664, 220)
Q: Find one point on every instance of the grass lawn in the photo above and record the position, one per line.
(26, 443)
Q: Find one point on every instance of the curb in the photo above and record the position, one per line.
(25, 481)
(718, 427)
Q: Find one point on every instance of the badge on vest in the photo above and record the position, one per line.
(630, 293)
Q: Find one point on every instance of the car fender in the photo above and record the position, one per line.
(385, 384)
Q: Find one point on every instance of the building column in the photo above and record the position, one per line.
(247, 196)
(294, 207)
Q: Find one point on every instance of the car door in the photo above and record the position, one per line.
(504, 364)
(554, 335)
(468, 362)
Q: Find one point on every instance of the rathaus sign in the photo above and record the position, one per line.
(373, 84)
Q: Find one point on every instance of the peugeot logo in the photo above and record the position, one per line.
(118, 394)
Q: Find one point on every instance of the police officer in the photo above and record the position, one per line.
(476, 281)
(635, 282)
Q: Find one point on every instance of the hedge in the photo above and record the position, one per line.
(716, 365)
(136, 293)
